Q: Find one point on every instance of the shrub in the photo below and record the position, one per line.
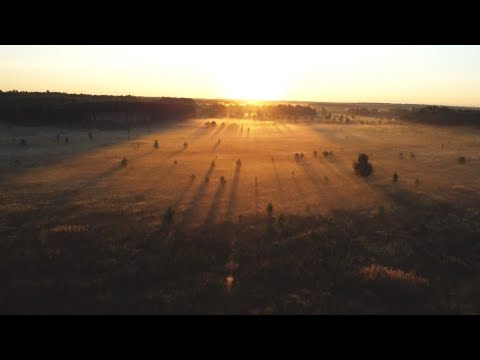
(297, 156)
(239, 163)
(462, 160)
(315, 154)
(301, 155)
(168, 216)
(212, 164)
(362, 167)
(325, 154)
(192, 177)
(155, 144)
(124, 162)
(185, 145)
(395, 177)
(222, 180)
(269, 209)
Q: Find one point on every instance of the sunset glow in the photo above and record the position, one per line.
(403, 74)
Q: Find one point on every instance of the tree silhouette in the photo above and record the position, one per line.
(269, 209)
(155, 144)
(395, 177)
(362, 167)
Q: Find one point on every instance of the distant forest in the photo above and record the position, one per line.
(46, 108)
(435, 115)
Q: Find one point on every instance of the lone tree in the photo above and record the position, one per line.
(168, 216)
(155, 144)
(269, 209)
(395, 178)
(362, 167)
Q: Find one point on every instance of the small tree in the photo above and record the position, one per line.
(185, 145)
(269, 209)
(239, 163)
(462, 160)
(212, 164)
(362, 167)
(155, 144)
(395, 177)
(315, 154)
(124, 162)
(417, 182)
(168, 216)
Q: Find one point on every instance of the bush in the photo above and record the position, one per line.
(362, 167)
(315, 154)
(168, 216)
(395, 177)
(124, 162)
(269, 209)
(325, 154)
(462, 160)
(155, 144)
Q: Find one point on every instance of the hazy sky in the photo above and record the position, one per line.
(447, 75)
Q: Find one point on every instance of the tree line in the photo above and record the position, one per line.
(47, 108)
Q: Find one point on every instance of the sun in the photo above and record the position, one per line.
(252, 82)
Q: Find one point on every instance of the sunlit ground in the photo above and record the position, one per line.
(87, 175)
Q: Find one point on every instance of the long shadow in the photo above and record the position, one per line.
(194, 207)
(314, 178)
(256, 196)
(214, 207)
(184, 192)
(240, 133)
(220, 128)
(233, 194)
(281, 192)
(217, 144)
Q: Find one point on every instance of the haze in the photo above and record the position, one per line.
(442, 75)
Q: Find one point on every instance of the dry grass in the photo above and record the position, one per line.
(376, 272)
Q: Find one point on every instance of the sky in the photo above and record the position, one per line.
(442, 75)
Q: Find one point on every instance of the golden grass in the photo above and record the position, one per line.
(379, 272)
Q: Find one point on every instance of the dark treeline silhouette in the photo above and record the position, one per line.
(440, 115)
(37, 108)
(220, 110)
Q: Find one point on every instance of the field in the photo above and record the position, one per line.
(80, 233)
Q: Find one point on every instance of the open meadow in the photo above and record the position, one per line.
(163, 232)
